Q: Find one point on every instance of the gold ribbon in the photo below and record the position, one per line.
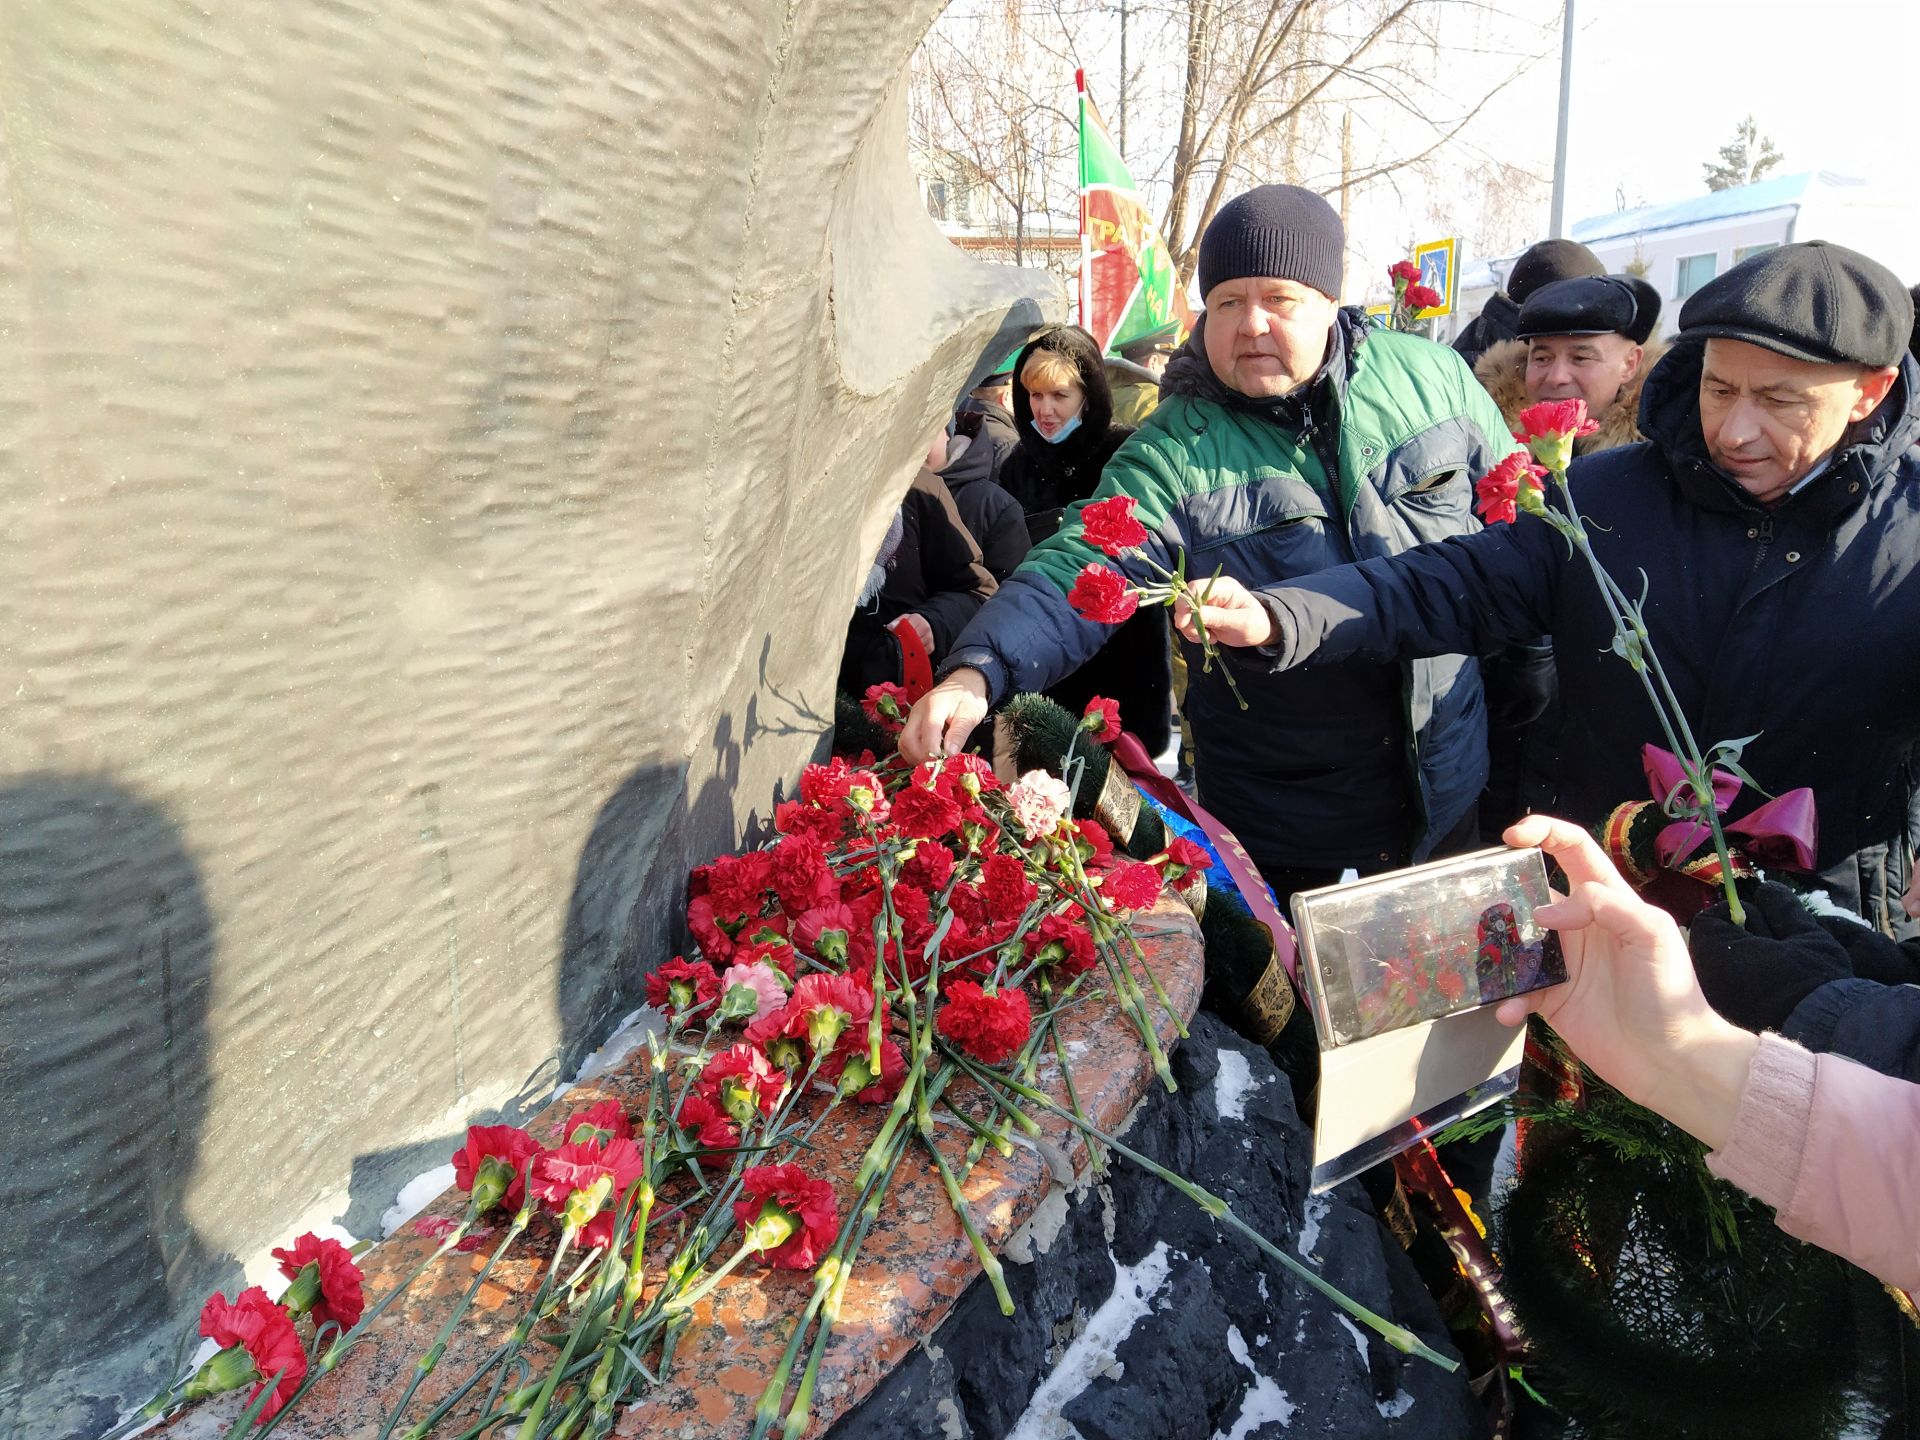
(1269, 1005)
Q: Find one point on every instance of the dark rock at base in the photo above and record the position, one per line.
(1229, 1336)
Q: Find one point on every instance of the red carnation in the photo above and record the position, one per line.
(1133, 886)
(826, 931)
(680, 984)
(1550, 428)
(708, 933)
(1422, 297)
(989, 1026)
(1093, 842)
(743, 1082)
(600, 1123)
(924, 813)
(1498, 491)
(823, 1006)
(1005, 888)
(1184, 860)
(1403, 270)
(335, 1296)
(260, 1330)
(580, 1181)
(491, 1166)
(1559, 419)
(800, 874)
(796, 817)
(850, 1065)
(788, 1216)
(736, 885)
(930, 868)
(775, 950)
(887, 704)
(1101, 719)
(707, 1124)
(1063, 943)
(1103, 595)
(1110, 526)
(969, 775)
(1452, 984)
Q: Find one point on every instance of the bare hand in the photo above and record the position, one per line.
(921, 628)
(1631, 1007)
(1231, 613)
(1910, 902)
(943, 718)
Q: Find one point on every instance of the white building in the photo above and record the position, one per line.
(1682, 245)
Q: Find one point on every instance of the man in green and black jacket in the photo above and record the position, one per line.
(1291, 437)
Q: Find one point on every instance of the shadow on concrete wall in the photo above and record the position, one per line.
(106, 959)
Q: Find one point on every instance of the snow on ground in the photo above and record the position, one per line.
(626, 1038)
(1265, 1403)
(415, 1196)
(1232, 1083)
(1311, 1214)
(1092, 1354)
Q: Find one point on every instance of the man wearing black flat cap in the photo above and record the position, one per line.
(1775, 516)
(1538, 265)
(1580, 339)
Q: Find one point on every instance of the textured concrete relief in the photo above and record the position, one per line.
(441, 444)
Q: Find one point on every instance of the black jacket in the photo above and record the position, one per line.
(1135, 666)
(1830, 983)
(1798, 625)
(935, 572)
(989, 511)
(1498, 319)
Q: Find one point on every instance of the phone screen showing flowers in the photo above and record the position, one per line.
(1413, 945)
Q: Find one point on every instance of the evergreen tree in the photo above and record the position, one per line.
(1744, 159)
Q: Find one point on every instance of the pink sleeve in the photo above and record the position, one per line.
(1834, 1148)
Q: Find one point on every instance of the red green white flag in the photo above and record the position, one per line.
(1128, 288)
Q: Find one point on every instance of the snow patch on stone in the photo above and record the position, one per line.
(1396, 1407)
(1092, 1354)
(1265, 1403)
(1311, 1214)
(415, 1196)
(1232, 1083)
(1043, 1227)
(1359, 1340)
(626, 1038)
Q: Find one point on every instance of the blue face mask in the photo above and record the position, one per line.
(1057, 436)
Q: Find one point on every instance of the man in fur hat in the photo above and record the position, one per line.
(1580, 339)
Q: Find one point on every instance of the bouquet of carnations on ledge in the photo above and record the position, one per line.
(912, 931)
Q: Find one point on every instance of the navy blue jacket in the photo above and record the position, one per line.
(1799, 625)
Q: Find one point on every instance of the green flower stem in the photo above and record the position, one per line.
(424, 1366)
(517, 1341)
(1096, 1156)
(1398, 1336)
(530, 1425)
(1666, 706)
(989, 1262)
(447, 1404)
(767, 1410)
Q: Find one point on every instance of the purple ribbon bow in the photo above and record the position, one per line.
(1782, 832)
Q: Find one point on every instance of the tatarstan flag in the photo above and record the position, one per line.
(1127, 284)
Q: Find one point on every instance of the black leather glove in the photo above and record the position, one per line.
(1756, 976)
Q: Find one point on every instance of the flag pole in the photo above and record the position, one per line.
(1086, 240)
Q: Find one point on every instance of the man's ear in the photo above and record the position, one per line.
(1874, 385)
(1634, 356)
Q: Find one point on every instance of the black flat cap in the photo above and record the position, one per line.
(1592, 305)
(1547, 262)
(1810, 301)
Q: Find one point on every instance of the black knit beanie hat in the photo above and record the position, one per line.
(1279, 231)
